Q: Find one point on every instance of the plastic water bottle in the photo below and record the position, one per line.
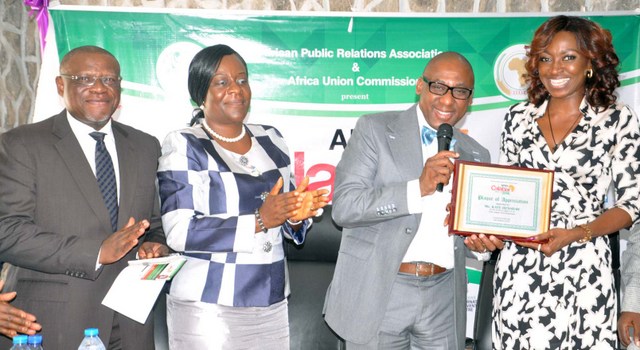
(35, 342)
(20, 342)
(91, 340)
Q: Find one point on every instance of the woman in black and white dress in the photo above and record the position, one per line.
(561, 294)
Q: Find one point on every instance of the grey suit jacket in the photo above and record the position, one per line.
(53, 221)
(631, 273)
(370, 202)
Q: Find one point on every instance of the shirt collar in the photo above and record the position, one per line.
(80, 128)
(421, 120)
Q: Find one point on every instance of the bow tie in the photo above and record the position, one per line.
(428, 135)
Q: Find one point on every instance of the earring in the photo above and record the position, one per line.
(196, 114)
(589, 73)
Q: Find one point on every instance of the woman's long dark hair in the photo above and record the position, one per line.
(594, 42)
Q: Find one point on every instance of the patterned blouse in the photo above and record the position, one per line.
(208, 197)
(604, 147)
(568, 300)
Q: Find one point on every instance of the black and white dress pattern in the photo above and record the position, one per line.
(568, 300)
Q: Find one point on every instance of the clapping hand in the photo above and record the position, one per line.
(149, 250)
(312, 201)
(14, 320)
(116, 246)
(296, 205)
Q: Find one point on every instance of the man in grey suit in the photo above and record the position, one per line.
(400, 279)
(629, 321)
(55, 226)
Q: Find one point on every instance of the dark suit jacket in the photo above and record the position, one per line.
(53, 220)
(370, 203)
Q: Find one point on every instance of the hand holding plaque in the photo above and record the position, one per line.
(509, 202)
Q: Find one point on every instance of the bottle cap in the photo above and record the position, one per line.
(91, 332)
(20, 339)
(35, 339)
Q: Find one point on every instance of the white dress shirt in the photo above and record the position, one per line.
(432, 242)
(88, 145)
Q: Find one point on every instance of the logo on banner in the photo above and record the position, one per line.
(172, 69)
(510, 74)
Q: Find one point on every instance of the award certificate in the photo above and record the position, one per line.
(510, 202)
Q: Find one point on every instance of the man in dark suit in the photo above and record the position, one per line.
(400, 279)
(68, 235)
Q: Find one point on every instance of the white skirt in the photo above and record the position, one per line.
(205, 326)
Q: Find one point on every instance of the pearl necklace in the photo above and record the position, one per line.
(222, 138)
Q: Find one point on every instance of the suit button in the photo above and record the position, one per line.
(408, 231)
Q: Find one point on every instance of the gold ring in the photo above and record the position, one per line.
(539, 246)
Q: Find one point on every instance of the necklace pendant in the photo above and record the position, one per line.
(266, 247)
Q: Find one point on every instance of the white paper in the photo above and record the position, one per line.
(131, 296)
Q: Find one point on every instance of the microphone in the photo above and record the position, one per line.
(444, 134)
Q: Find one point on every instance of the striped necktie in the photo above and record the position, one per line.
(106, 177)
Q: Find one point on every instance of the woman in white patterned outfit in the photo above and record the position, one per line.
(561, 294)
(228, 199)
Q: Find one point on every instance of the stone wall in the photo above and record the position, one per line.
(19, 63)
(20, 51)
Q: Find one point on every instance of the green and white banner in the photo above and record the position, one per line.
(312, 75)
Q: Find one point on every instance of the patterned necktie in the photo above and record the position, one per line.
(428, 135)
(106, 177)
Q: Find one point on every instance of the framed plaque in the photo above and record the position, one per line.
(510, 202)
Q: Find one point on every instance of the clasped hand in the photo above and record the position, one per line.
(554, 240)
(296, 205)
(436, 170)
(547, 243)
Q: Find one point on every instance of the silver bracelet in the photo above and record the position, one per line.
(260, 222)
(293, 223)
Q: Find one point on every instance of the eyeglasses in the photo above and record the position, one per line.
(440, 89)
(86, 80)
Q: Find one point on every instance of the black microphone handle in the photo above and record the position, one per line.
(445, 133)
(444, 142)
